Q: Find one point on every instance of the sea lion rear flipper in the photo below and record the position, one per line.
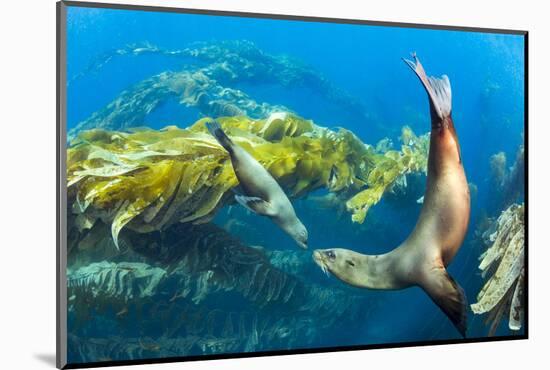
(438, 89)
(216, 130)
(449, 296)
(255, 204)
(440, 95)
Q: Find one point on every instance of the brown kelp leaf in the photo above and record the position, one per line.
(516, 307)
(504, 260)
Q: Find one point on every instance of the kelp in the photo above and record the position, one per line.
(149, 179)
(82, 350)
(514, 185)
(189, 88)
(498, 168)
(209, 85)
(180, 299)
(503, 261)
(193, 262)
(206, 332)
(509, 181)
(121, 281)
(388, 170)
(221, 263)
(110, 289)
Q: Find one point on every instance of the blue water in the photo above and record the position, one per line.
(486, 74)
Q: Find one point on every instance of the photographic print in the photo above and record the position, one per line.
(237, 185)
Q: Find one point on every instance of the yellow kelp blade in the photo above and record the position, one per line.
(150, 179)
(106, 171)
(124, 215)
(386, 171)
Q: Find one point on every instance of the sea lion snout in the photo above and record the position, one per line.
(321, 259)
(344, 264)
(298, 232)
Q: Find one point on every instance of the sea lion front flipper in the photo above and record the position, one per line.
(256, 205)
(449, 296)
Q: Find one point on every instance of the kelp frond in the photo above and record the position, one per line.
(209, 85)
(504, 260)
(123, 281)
(387, 169)
(179, 295)
(509, 181)
(149, 179)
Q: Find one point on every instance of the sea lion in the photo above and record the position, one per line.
(258, 190)
(440, 230)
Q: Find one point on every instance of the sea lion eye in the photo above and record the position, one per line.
(331, 255)
(350, 263)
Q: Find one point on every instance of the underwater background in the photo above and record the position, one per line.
(159, 291)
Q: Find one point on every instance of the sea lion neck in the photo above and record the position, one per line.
(444, 149)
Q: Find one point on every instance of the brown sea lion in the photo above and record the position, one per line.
(259, 191)
(440, 230)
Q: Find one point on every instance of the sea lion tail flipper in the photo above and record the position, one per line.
(255, 204)
(216, 130)
(449, 296)
(438, 89)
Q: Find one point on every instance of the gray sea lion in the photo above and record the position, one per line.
(258, 190)
(440, 230)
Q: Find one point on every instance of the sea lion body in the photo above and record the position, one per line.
(258, 190)
(441, 227)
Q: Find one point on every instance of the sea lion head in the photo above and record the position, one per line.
(298, 232)
(345, 264)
